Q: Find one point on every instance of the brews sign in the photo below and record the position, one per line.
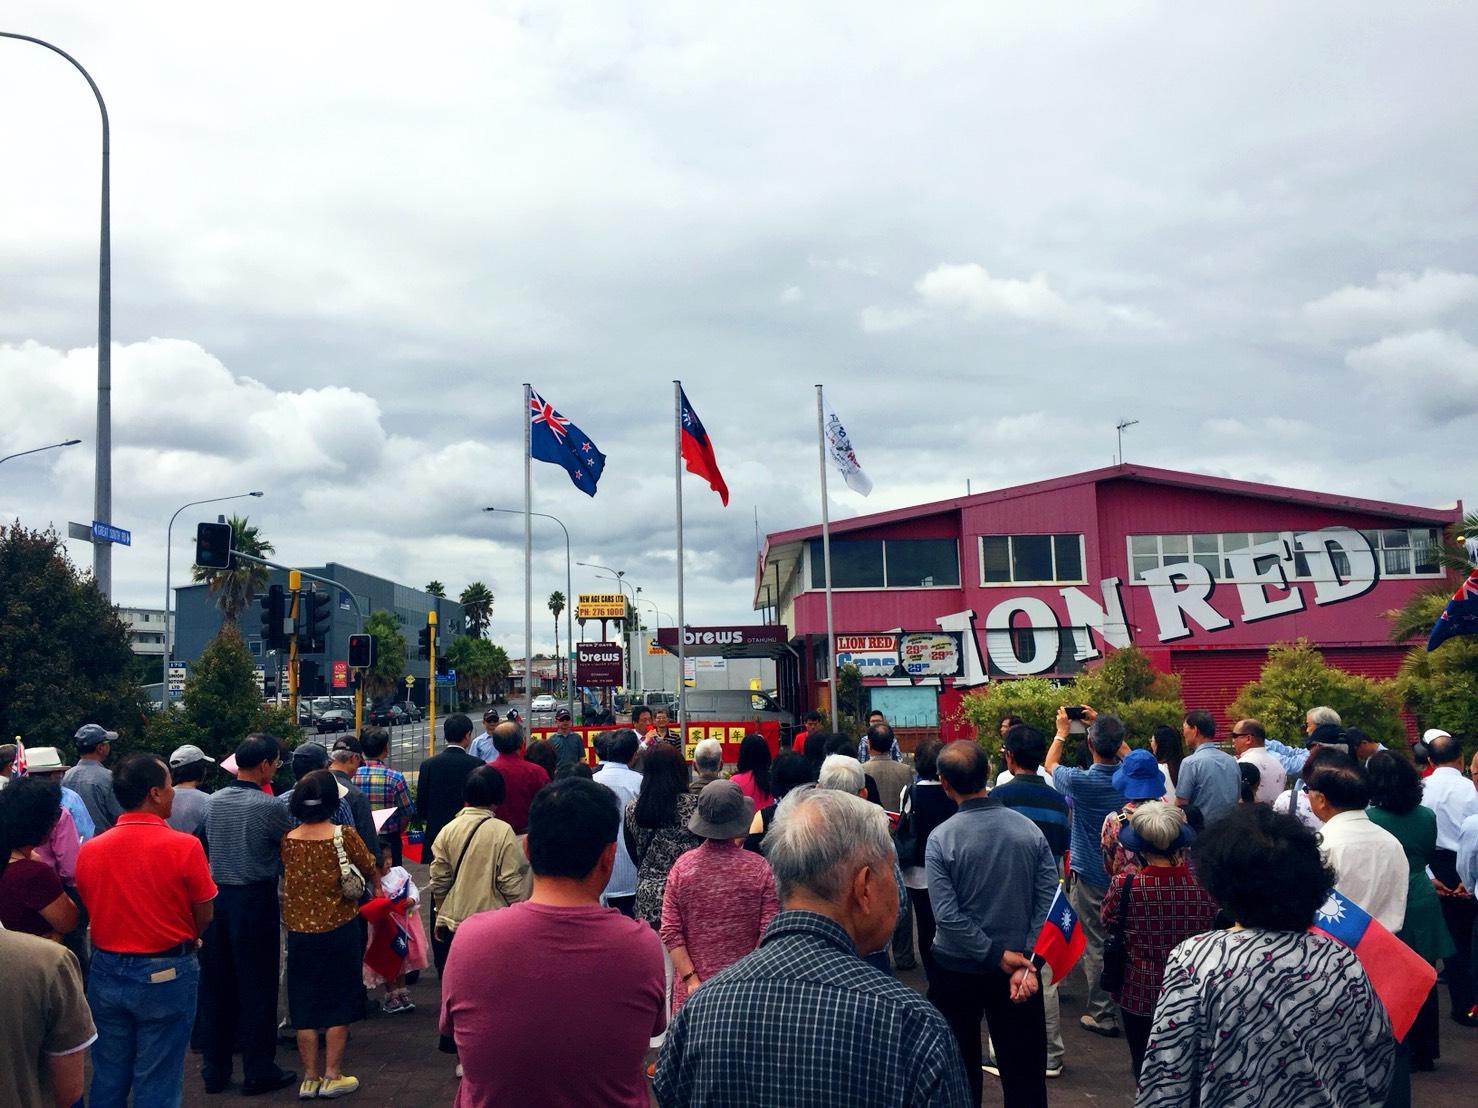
(1180, 596)
(598, 665)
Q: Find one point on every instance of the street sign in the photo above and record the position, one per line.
(409, 680)
(106, 532)
(598, 665)
(259, 674)
(601, 605)
(447, 678)
(179, 676)
(341, 675)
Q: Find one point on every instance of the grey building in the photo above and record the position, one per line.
(197, 620)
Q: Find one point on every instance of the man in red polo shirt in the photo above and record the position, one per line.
(148, 891)
(521, 778)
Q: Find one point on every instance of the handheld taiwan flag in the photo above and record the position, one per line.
(1401, 977)
(1460, 617)
(698, 451)
(553, 438)
(19, 768)
(1061, 941)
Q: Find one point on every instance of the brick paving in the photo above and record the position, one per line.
(397, 1061)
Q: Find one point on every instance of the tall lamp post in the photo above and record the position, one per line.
(623, 584)
(168, 592)
(102, 495)
(569, 614)
(39, 449)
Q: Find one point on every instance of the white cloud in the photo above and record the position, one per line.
(968, 290)
(792, 295)
(1433, 374)
(1397, 301)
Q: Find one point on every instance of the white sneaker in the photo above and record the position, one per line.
(1054, 1071)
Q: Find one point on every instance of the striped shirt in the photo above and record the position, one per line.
(244, 827)
(1093, 795)
(804, 1022)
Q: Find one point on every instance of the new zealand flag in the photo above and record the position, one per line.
(553, 438)
(1460, 617)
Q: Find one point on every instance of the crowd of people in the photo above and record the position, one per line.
(736, 940)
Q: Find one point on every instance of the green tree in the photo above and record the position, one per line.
(390, 654)
(235, 587)
(477, 606)
(64, 653)
(557, 606)
(1295, 678)
(1034, 700)
(436, 588)
(481, 665)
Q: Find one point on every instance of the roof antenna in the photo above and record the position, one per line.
(1120, 428)
(967, 486)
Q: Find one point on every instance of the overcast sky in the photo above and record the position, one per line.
(343, 235)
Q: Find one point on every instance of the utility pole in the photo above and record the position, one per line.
(431, 683)
(294, 584)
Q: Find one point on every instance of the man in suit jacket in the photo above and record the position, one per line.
(439, 788)
(442, 777)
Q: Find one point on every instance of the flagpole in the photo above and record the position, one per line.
(682, 624)
(831, 654)
(528, 556)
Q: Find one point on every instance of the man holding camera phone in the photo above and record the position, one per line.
(1094, 797)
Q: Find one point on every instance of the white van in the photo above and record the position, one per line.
(736, 704)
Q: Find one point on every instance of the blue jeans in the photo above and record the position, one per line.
(143, 1027)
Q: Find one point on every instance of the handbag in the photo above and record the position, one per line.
(1115, 947)
(351, 881)
(456, 869)
(905, 836)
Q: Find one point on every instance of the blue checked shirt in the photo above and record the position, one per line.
(384, 787)
(804, 1023)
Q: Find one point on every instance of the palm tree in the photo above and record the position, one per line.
(436, 588)
(557, 606)
(234, 588)
(477, 604)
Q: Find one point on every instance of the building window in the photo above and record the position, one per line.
(1031, 559)
(1399, 552)
(891, 564)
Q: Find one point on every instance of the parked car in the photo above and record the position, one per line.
(544, 703)
(335, 719)
(413, 713)
(388, 715)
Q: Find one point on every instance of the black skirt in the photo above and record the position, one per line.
(325, 985)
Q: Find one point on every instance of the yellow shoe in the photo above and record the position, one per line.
(308, 1090)
(331, 1087)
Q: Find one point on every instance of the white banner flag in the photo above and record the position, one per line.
(839, 449)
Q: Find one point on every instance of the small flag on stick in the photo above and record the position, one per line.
(1061, 941)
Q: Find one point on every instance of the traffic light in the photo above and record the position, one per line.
(310, 681)
(442, 666)
(213, 545)
(428, 633)
(361, 651)
(314, 617)
(274, 618)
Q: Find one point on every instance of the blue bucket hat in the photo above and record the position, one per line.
(1139, 778)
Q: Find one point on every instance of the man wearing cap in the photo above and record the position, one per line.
(1452, 798)
(345, 759)
(1249, 740)
(149, 892)
(188, 766)
(89, 779)
(567, 745)
(240, 952)
(482, 746)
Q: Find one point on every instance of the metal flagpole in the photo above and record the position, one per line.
(682, 623)
(831, 653)
(528, 556)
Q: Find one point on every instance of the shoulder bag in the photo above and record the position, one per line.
(1115, 947)
(351, 881)
(906, 837)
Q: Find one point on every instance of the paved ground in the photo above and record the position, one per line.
(396, 1059)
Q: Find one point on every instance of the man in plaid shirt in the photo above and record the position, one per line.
(383, 787)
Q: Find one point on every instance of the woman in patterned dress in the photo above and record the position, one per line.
(656, 826)
(1267, 1013)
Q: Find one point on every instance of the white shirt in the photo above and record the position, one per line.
(1453, 798)
(1006, 775)
(1305, 813)
(1467, 853)
(625, 782)
(1369, 865)
(1274, 778)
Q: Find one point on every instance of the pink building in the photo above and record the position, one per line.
(1202, 573)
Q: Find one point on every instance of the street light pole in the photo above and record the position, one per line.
(569, 608)
(102, 506)
(168, 592)
(39, 449)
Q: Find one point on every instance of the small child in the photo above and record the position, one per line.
(395, 937)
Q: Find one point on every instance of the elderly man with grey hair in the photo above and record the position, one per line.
(708, 764)
(737, 1040)
(1294, 757)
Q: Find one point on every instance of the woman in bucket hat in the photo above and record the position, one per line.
(1140, 779)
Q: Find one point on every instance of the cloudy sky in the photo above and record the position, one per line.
(343, 235)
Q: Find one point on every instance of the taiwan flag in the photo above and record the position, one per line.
(1401, 977)
(1060, 942)
(698, 450)
(553, 438)
(1460, 617)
